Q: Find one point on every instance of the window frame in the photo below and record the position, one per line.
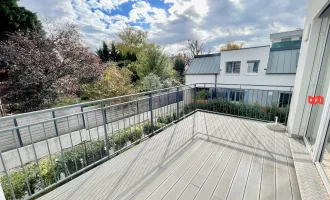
(232, 68)
(237, 93)
(247, 69)
(280, 104)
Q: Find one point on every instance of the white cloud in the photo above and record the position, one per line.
(143, 11)
(213, 22)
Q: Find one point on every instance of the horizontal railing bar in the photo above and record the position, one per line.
(244, 85)
(74, 114)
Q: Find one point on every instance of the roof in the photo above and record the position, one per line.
(283, 61)
(248, 48)
(298, 32)
(205, 64)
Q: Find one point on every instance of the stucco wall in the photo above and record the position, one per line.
(193, 79)
(305, 66)
(244, 55)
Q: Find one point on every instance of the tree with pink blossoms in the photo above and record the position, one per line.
(38, 65)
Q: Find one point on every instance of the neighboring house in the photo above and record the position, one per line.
(238, 72)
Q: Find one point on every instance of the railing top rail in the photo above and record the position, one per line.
(126, 96)
(74, 114)
(87, 103)
(245, 85)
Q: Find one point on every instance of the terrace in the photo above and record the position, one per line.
(167, 144)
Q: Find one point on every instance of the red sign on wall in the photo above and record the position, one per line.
(315, 100)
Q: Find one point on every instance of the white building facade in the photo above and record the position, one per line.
(264, 74)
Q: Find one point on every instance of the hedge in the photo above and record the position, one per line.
(255, 110)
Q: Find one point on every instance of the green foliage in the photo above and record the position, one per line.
(119, 139)
(150, 82)
(65, 101)
(179, 65)
(104, 52)
(147, 128)
(114, 82)
(18, 183)
(255, 111)
(132, 41)
(14, 18)
(203, 94)
(153, 60)
(115, 54)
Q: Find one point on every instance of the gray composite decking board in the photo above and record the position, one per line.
(267, 190)
(238, 185)
(224, 158)
(187, 176)
(187, 168)
(282, 169)
(210, 184)
(226, 180)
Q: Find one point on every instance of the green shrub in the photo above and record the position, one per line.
(147, 128)
(254, 110)
(18, 183)
(119, 139)
(203, 94)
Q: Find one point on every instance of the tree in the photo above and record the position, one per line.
(114, 82)
(114, 55)
(104, 52)
(36, 65)
(153, 60)
(14, 18)
(151, 82)
(179, 65)
(232, 45)
(194, 48)
(132, 40)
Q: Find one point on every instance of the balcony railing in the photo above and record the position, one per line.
(43, 149)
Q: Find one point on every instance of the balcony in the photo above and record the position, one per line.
(189, 142)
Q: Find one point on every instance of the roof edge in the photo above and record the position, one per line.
(247, 48)
(207, 55)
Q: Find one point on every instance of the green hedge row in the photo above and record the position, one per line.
(255, 111)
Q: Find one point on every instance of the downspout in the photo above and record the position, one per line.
(215, 85)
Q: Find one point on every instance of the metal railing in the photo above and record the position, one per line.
(50, 147)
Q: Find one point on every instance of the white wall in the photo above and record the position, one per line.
(244, 55)
(305, 63)
(193, 79)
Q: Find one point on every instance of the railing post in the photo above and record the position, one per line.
(104, 116)
(177, 103)
(151, 114)
(195, 96)
(215, 91)
(18, 133)
(83, 117)
(55, 125)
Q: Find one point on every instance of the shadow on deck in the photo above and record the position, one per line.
(205, 156)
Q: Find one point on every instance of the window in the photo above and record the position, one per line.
(233, 67)
(253, 67)
(285, 39)
(284, 99)
(236, 95)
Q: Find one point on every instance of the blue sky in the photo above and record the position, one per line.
(171, 23)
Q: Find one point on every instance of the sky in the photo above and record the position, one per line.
(171, 23)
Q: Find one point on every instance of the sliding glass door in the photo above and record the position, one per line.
(320, 77)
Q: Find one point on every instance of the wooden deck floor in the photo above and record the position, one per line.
(205, 156)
